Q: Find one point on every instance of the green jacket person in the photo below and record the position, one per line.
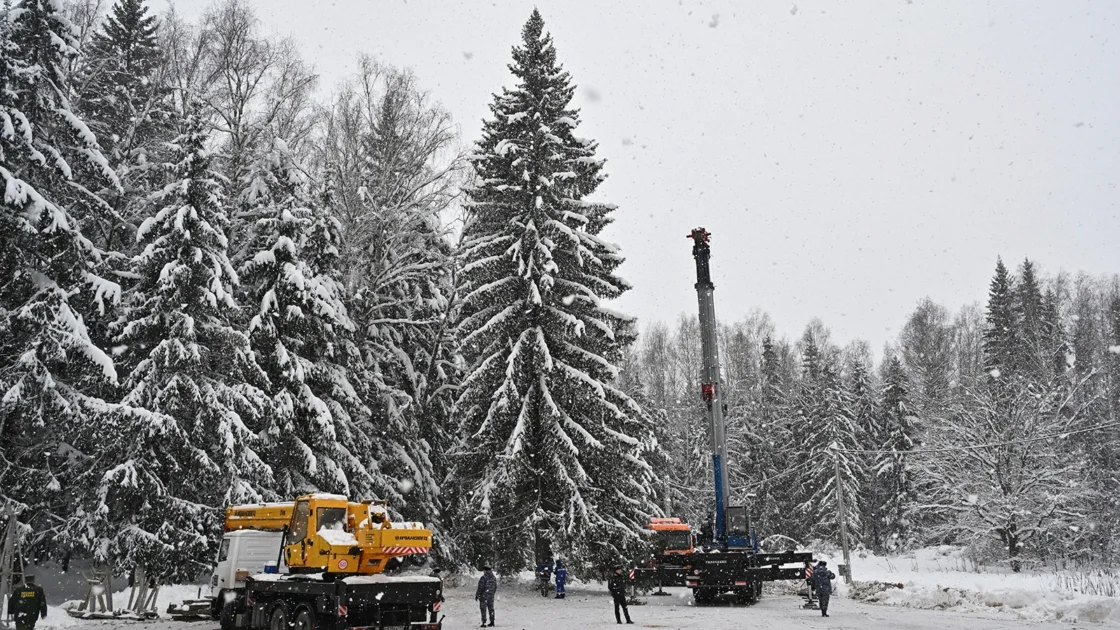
(27, 604)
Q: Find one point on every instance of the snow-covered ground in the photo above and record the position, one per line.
(589, 606)
(941, 592)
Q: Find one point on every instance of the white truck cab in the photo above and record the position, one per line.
(241, 554)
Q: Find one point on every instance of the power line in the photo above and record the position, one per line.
(1053, 436)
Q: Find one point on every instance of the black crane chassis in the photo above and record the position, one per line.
(711, 574)
(355, 603)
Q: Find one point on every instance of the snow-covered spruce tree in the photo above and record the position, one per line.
(774, 506)
(302, 337)
(53, 284)
(891, 478)
(552, 459)
(1002, 324)
(656, 440)
(187, 360)
(123, 96)
(823, 421)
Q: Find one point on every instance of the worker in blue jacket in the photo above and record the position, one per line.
(561, 578)
(822, 581)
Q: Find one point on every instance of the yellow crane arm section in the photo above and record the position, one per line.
(261, 516)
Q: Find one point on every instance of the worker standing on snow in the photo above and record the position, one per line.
(822, 579)
(27, 604)
(487, 587)
(617, 586)
(561, 578)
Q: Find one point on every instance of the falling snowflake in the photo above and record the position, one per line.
(973, 499)
(1114, 349)
(406, 485)
(995, 373)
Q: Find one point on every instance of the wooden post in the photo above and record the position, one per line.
(7, 553)
(843, 517)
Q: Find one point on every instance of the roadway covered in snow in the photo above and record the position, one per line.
(589, 606)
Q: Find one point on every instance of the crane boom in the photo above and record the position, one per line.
(710, 377)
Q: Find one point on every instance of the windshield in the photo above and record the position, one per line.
(672, 541)
(331, 518)
(298, 529)
(737, 520)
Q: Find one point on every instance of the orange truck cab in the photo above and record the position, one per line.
(671, 536)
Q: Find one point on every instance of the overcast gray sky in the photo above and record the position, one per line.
(849, 158)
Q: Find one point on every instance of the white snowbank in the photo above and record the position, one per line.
(1034, 605)
(942, 578)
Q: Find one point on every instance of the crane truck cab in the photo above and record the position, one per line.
(241, 554)
(671, 536)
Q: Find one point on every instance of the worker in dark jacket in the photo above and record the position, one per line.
(27, 604)
(487, 587)
(561, 579)
(822, 582)
(617, 586)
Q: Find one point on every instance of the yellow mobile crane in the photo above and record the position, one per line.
(320, 561)
(328, 533)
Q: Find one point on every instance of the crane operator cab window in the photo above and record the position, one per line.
(331, 518)
(298, 529)
(738, 521)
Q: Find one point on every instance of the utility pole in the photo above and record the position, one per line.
(842, 516)
(9, 555)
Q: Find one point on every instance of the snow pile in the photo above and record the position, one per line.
(1036, 605)
(943, 578)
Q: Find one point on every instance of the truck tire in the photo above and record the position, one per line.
(278, 616)
(228, 619)
(703, 595)
(304, 620)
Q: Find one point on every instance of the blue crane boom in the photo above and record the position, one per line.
(710, 388)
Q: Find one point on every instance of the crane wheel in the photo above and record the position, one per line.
(278, 617)
(227, 620)
(305, 620)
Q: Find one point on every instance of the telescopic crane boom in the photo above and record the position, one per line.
(710, 388)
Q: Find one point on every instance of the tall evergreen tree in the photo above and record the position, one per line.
(770, 459)
(553, 452)
(124, 97)
(822, 428)
(1032, 355)
(53, 284)
(188, 361)
(302, 336)
(1114, 354)
(1000, 347)
(892, 475)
